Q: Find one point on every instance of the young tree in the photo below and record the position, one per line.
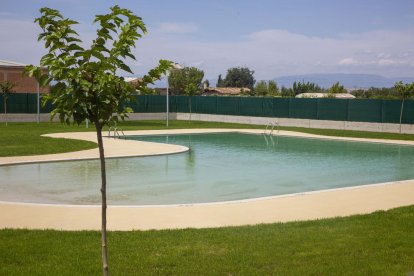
(239, 77)
(405, 91)
(190, 90)
(6, 88)
(187, 81)
(261, 88)
(86, 84)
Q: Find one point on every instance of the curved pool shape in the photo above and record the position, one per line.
(218, 167)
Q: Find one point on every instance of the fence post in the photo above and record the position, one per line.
(289, 106)
(317, 109)
(28, 104)
(347, 110)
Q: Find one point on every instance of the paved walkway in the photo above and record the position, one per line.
(304, 206)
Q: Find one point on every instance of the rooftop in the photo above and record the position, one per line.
(11, 63)
(326, 95)
(226, 90)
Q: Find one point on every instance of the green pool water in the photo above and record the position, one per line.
(218, 167)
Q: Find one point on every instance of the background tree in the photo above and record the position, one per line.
(176, 82)
(86, 86)
(261, 88)
(219, 81)
(388, 93)
(180, 79)
(405, 91)
(337, 88)
(272, 88)
(239, 77)
(287, 92)
(302, 87)
(6, 89)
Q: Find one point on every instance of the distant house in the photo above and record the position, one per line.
(134, 81)
(224, 91)
(160, 91)
(325, 95)
(13, 72)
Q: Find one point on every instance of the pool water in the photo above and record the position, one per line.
(218, 167)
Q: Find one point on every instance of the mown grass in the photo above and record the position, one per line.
(381, 243)
(19, 139)
(24, 139)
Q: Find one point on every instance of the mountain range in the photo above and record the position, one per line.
(347, 80)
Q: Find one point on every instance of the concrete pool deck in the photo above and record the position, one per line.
(302, 206)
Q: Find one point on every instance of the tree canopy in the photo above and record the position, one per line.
(86, 84)
(261, 88)
(305, 87)
(337, 88)
(239, 77)
(268, 88)
(186, 79)
(273, 90)
(405, 90)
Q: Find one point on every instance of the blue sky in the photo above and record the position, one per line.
(274, 38)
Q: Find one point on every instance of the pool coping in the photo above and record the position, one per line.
(282, 208)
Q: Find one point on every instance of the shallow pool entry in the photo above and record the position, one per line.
(218, 167)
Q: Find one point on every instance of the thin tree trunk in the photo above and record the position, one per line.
(189, 98)
(98, 127)
(5, 110)
(402, 108)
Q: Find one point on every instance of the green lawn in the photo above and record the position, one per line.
(377, 244)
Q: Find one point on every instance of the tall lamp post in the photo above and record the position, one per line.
(175, 66)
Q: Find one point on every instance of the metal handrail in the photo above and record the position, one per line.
(115, 132)
(271, 126)
(123, 135)
(109, 131)
(267, 126)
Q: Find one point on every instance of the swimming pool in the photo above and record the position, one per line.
(218, 167)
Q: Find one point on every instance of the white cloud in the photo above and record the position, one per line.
(177, 28)
(348, 61)
(387, 61)
(383, 55)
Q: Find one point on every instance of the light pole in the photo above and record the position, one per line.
(175, 66)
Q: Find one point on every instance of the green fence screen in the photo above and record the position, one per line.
(357, 110)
